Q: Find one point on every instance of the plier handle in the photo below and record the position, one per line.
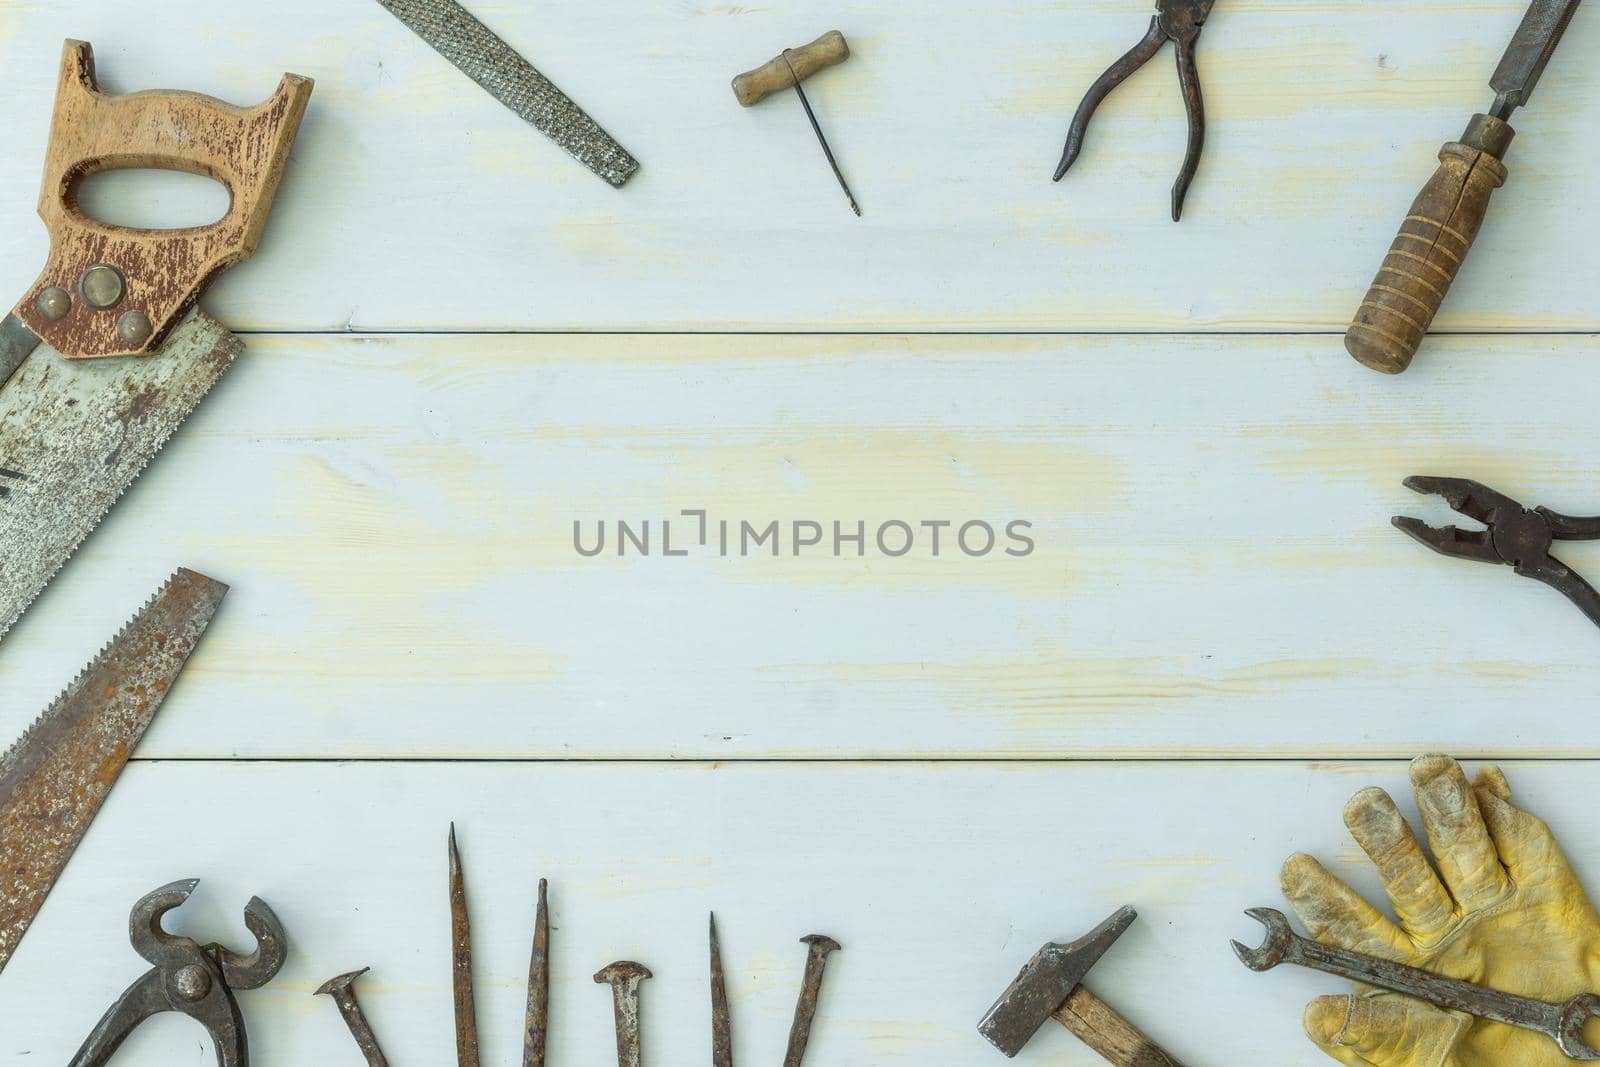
(1180, 22)
(1513, 535)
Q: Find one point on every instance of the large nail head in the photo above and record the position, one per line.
(334, 986)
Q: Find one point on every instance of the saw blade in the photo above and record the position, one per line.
(454, 33)
(54, 779)
(74, 434)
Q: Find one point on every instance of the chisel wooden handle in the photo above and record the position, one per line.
(1430, 248)
(1097, 1024)
(794, 65)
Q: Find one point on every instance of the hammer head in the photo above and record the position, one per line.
(1045, 983)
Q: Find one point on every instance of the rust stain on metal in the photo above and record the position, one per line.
(466, 1007)
(55, 778)
(721, 1023)
(818, 948)
(537, 1023)
(624, 977)
(79, 434)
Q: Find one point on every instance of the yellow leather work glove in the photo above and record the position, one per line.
(1499, 906)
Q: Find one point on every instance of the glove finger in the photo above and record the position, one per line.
(1466, 854)
(1335, 914)
(1524, 842)
(1421, 903)
(1492, 779)
(1384, 1031)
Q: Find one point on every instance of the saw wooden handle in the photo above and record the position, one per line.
(155, 276)
(1428, 251)
(793, 66)
(1097, 1024)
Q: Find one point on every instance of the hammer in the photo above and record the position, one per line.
(1052, 985)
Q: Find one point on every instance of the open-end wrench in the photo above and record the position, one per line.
(1563, 1023)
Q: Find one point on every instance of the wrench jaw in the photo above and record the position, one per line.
(1574, 1014)
(1273, 951)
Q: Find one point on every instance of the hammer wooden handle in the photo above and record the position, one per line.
(1097, 1024)
(794, 65)
(1429, 250)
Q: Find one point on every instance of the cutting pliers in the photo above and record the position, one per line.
(1516, 536)
(1178, 21)
(196, 980)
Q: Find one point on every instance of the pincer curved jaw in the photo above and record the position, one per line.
(272, 949)
(1280, 935)
(149, 940)
(1574, 1014)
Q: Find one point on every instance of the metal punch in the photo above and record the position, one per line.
(1180, 22)
(197, 980)
(1516, 536)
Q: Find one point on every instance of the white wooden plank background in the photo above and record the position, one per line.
(460, 342)
(937, 880)
(416, 202)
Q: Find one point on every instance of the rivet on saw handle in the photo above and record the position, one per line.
(786, 71)
(162, 272)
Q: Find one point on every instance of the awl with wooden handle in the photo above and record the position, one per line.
(1443, 221)
(786, 71)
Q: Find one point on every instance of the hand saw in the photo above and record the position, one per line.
(54, 779)
(107, 353)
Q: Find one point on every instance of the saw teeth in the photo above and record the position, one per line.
(55, 706)
(94, 524)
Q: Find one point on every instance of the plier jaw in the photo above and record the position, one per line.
(1513, 535)
(1180, 22)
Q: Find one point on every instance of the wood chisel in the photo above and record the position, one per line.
(54, 779)
(453, 32)
(107, 353)
(1443, 222)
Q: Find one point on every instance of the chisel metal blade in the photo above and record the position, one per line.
(1529, 52)
(74, 434)
(454, 33)
(55, 778)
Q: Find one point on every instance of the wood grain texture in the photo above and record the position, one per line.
(939, 880)
(162, 273)
(414, 201)
(1104, 1029)
(1214, 573)
(1425, 258)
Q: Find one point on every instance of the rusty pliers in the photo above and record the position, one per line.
(1516, 536)
(197, 980)
(1180, 22)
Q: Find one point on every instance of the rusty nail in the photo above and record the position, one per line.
(721, 1024)
(134, 328)
(343, 991)
(461, 962)
(817, 949)
(538, 1018)
(54, 303)
(624, 977)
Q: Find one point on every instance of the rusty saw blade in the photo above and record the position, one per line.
(74, 434)
(54, 779)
